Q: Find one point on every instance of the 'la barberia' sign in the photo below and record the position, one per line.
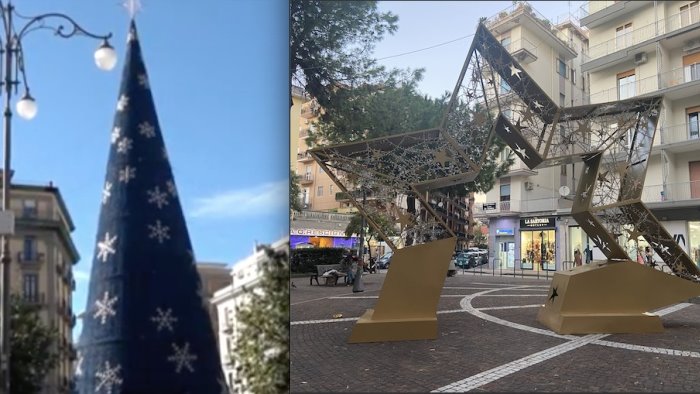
(317, 232)
(536, 222)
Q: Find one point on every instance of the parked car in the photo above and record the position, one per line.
(383, 262)
(470, 258)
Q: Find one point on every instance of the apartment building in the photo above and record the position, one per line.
(227, 301)
(528, 219)
(43, 255)
(214, 277)
(642, 48)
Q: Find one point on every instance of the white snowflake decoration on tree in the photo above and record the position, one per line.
(106, 192)
(143, 81)
(106, 247)
(124, 145)
(164, 319)
(157, 197)
(159, 231)
(147, 130)
(171, 188)
(126, 174)
(116, 133)
(122, 103)
(105, 307)
(182, 357)
(108, 378)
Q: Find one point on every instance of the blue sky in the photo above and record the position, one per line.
(426, 24)
(218, 80)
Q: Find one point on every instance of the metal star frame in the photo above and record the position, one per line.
(613, 140)
(395, 170)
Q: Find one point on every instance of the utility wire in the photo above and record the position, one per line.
(414, 51)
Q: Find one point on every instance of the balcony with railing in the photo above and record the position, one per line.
(671, 192)
(522, 50)
(304, 156)
(523, 14)
(595, 13)
(306, 179)
(682, 79)
(678, 133)
(644, 34)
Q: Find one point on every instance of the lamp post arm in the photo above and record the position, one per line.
(40, 22)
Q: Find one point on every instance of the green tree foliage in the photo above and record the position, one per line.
(32, 356)
(262, 345)
(294, 192)
(384, 223)
(331, 43)
(369, 111)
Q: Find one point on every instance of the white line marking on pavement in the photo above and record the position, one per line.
(484, 288)
(494, 374)
(573, 342)
(321, 299)
(296, 323)
(445, 295)
(507, 285)
(509, 307)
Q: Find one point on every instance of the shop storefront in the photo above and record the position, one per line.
(502, 242)
(316, 238)
(538, 243)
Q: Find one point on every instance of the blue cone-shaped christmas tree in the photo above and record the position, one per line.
(145, 327)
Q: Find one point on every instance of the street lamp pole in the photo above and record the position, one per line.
(12, 68)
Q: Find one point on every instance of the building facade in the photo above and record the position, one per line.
(43, 255)
(645, 48)
(528, 219)
(228, 300)
(214, 277)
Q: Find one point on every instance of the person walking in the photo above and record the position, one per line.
(357, 282)
(577, 258)
(649, 256)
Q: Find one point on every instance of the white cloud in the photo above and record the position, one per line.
(267, 197)
(81, 275)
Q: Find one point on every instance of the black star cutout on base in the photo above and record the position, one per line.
(554, 295)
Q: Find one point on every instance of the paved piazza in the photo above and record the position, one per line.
(488, 340)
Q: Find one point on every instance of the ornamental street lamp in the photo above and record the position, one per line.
(12, 63)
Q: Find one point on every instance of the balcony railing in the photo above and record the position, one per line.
(523, 50)
(30, 257)
(523, 8)
(677, 133)
(304, 156)
(665, 80)
(642, 34)
(681, 191)
(306, 178)
(324, 216)
(34, 298)
(591, 7)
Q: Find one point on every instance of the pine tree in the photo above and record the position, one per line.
(294, 192)
(32, 356)
(262, 344)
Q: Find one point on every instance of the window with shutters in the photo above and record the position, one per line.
(691, 67)
(690, 13)
(693, 121)
(626, 85)
(623, 36)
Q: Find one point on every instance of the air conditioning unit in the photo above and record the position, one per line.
(529, 185)
(640, 58)
(691, 45)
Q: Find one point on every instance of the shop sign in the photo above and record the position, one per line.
(537, 222)
(317, 232)
(488, 206)
(504, 231)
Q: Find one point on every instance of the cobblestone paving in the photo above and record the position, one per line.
(482, 346)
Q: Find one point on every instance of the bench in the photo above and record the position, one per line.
(331, 280)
